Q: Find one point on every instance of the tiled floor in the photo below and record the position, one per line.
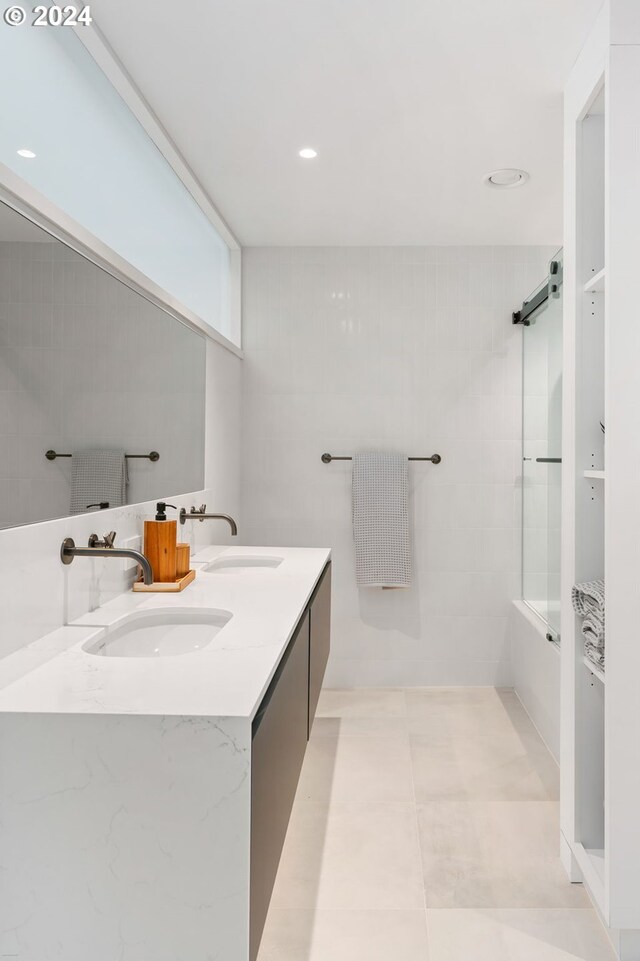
(426, 829)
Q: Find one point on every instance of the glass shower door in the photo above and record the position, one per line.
(542, 446)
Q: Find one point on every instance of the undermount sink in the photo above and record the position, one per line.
(160, 633)
(239, 563)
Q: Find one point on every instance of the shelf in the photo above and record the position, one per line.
(595, 670)
(596, 283)
(594, 474)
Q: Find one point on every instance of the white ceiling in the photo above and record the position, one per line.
(408, 102)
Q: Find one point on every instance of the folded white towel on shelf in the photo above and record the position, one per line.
(593, 629)
(594, 654)
(588, 602)
(588, 598)
(98, 476)
(380, 495)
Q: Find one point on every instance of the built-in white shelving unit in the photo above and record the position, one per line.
(583, 820)
(595, 670)
(595, 284)
(591, 862)
(600, 749)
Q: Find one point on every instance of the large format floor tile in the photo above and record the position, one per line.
(351, 726)
(345, 936)
(351, 856)
(494, 854)
(467, 711)
(531, 935)
(497, 767)
(357, 770)
(362, 703)
(426, 828)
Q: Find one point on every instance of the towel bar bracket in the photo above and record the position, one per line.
(327, 458)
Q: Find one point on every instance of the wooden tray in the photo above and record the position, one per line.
(165, 587)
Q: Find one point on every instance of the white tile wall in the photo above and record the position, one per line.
(86, 362)
(408, 349)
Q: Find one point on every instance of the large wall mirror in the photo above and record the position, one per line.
(89, 368)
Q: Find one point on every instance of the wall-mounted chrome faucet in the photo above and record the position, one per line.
(104, 548)
(201, 515)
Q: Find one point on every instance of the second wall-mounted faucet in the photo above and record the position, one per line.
(104, 548)
(201, 515)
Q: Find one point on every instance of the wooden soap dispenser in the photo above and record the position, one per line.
(160, 542)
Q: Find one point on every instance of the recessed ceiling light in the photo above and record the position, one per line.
(506, 177)
(24, 152)
(307, 153)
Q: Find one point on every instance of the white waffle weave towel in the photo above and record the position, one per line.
(380, 490)
(98, 475)
(589, 603)
(588, 598)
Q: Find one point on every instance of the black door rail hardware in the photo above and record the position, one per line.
(550, 289)
(152, 455)
(327, 458)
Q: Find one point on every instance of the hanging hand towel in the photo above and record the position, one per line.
(98, 476)
(380, 491)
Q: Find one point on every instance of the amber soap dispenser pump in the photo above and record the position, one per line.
(160, 541)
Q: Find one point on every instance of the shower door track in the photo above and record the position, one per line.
(552, 636)
(550, 288)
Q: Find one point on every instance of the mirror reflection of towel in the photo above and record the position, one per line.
(98, 476)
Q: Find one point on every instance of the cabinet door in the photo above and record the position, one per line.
(320, 640)
(279, 740)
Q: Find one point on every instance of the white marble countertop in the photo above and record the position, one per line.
(227, 679)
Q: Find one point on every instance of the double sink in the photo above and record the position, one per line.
(176, 631)
(241, 564)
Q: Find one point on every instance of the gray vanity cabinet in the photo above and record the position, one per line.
(279, 739)
(320, 639)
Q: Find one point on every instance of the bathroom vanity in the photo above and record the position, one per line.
(149, 758)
